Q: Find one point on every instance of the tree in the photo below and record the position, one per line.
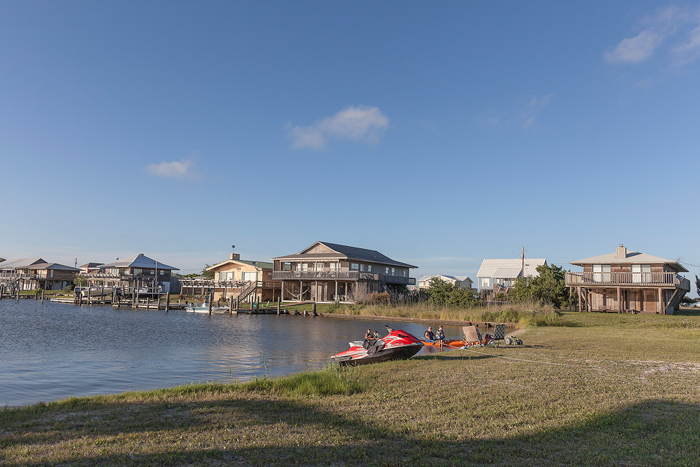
(697, 285)
(547, 288)
(207, 274)
(443, 293)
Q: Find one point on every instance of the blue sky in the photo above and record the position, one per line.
(439, 133)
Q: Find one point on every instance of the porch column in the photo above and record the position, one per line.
(619, 301)
(661, 303)
(282, 292)
(580, 305)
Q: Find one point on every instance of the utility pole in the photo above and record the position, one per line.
(522, 267)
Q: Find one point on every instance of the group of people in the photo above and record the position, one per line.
(369, 335)
(431, 336)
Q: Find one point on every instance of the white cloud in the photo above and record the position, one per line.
(634, 49)
(175, 169)
(352, 123)
(689, 50)
(680, 27)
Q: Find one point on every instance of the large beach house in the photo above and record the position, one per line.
(327, 272)
(628, 281)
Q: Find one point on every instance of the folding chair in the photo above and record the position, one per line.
(499, 333)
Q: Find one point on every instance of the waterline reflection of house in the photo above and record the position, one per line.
(628, 281)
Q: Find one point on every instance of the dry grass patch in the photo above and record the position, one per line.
(602, 393)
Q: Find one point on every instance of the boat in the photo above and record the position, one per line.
(397, 345)
(451, 343)
(204, 308)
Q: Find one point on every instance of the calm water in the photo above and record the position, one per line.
(53, 351)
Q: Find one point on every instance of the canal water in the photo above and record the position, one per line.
(51, 351)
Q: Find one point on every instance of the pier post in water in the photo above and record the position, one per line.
(279, 305)
(167, 302)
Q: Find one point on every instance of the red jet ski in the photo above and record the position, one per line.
(397, 345)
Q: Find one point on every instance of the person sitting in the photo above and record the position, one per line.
(429, 334)
(376, 335)
(368, 334)
(440, 334)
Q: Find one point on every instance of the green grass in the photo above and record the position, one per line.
(596, 389)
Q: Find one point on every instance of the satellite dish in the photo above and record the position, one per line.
(233, 246)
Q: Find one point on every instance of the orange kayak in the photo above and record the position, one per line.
(456, 343)
(446, 343)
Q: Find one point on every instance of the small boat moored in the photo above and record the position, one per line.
(204, 308)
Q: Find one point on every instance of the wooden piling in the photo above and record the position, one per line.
(230, 305)
(211, 301)
(167, 302)
(148, 301)
(279, 305)
(88, 297)
(42, 296)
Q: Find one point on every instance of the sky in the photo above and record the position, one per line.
(438, 133)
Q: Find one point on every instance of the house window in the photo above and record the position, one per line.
(386, 270)
(362, 267)
(641, 273)
(485, 282)
(393, 271)
(304, 267)
(369, 268)
(354, 267)
(334, 266)
(601, 273)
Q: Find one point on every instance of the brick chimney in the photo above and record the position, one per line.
(621, 252)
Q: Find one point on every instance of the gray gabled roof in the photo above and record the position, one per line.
(510, 268)
(54, 266)
(345, 252)
(20, 263)
(138, 261)
(630, 257)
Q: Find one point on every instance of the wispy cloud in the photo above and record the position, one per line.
(183, 169)
(523, 115)
(359, 123)
(679, 27)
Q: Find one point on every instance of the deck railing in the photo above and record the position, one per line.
(641, 279)
(341, 275)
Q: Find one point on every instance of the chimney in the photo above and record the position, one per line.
(236, 256)
(621, 252)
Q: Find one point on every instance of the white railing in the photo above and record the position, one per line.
(573, 279)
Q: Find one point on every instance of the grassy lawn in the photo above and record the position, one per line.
(603, 389)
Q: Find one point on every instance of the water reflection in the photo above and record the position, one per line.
(53, 351)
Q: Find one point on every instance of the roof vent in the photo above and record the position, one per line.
(621, 252)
